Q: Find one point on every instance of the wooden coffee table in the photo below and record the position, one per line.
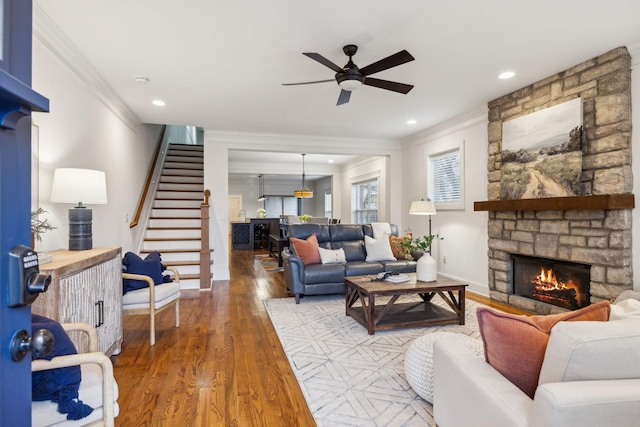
(393, 312)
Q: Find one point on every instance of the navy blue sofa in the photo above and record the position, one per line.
(319, 279)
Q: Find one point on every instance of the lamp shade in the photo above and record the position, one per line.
(422, 207)
(79, 186)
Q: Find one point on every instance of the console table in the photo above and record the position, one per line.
(86, 286)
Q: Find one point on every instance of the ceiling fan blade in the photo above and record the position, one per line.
(344, 97)
(324, 61)
(389, 62)
(386, 84)
(308, 83)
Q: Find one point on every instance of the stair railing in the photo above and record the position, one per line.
(145, 189)
(205, 249)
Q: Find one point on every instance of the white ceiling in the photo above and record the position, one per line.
(220, 65)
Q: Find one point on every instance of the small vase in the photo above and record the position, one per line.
(426, 268)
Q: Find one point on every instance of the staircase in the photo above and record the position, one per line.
(174, 225)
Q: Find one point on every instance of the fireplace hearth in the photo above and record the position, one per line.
(560, 283)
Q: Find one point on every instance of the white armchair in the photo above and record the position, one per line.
(98, 387)
(590, 377)
(152, 299)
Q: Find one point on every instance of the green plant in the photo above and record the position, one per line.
(420, 243)
(305, 218)
(262, 211)
(40, 226)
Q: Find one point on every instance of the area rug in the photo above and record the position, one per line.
(269, 263)
(348, 377)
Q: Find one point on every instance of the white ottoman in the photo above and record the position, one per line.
(418, 361)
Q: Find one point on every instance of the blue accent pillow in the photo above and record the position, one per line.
(150, 266)
(58, 385)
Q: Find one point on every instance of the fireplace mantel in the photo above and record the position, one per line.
(601, 201)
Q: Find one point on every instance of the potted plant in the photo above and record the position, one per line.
(262, 213)
(305, 218)
(418, 247)
(39, 226)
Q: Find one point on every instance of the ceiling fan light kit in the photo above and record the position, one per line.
(350, 77)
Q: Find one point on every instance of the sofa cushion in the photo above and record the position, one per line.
(332, 256)
(323, 273)
(342, 232)
(307, 249)
(378, 249)
(302, 231)
(584, 351)
(515, 344)
(361, 268)
(353, 250)
(624, 309)
(150, 266)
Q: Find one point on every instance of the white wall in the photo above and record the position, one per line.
(80, 131)
(464, 232)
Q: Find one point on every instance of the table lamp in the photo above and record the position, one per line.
(79, 186)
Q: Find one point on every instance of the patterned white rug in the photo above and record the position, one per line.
(348, 377)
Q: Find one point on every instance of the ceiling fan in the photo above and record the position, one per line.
(350, 77)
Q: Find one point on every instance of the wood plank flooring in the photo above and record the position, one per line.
(223, 366)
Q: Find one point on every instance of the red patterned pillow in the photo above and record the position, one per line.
(515, 344)
(307, 250)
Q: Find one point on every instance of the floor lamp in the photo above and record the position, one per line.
(423, 207)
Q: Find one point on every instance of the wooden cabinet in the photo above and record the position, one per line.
(86, 286)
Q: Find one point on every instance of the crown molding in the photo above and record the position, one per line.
(47, 34)
(447, 127)
(634, 51)
(298, 143)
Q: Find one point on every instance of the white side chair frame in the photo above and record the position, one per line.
(93, 356)
(151, 308)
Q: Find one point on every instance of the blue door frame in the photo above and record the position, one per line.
(17, 101)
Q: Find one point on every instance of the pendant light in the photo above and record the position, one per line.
(260, 188)
(303, 192)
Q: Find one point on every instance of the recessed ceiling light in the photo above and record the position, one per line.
(412, 122)
(158, 102)
(506, 75)
(330, 160)
(141, 80)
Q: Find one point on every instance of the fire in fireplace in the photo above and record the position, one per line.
(561, 283)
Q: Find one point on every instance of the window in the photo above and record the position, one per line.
(364, 202)
(445, 178)
(280, 205)
(327, 204)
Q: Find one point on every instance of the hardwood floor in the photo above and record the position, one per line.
(223, 366)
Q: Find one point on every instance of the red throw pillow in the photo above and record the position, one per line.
(399, 251)
(515, 344)
(307, 250)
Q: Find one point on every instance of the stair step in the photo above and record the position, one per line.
(186, 147)
(175, 222)
(175, 158)
(175, 245)
(183, 166)
(182, 172)
(181, 186)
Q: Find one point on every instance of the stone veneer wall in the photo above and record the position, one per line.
(600, 238)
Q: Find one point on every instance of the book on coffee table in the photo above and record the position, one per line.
(397, 278)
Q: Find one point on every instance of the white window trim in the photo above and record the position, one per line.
(446, 148)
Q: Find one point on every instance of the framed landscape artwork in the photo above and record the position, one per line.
(542, 153)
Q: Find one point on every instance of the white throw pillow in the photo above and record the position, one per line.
(380, 229)
(378, 249)
(332, 256)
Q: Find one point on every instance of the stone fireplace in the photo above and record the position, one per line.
(592, 229)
